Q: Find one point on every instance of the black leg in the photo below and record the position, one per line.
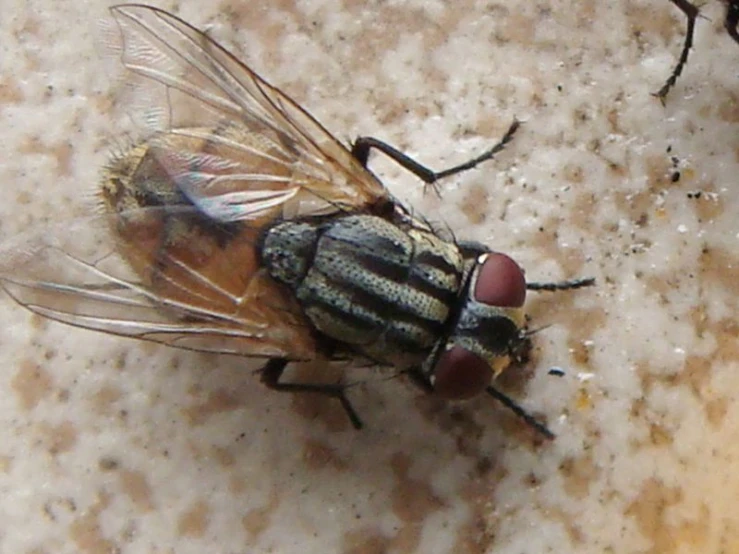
(691, 12)
(520, 412)
(273, 370)
(562, 285)
(362, 146)
(732, 18)
(418, 378)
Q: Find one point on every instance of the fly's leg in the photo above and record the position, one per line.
(273, 370)
(512, 405)
(361, 149)
(422, 381)
(731, 21)
(562, 285)
(691, 12)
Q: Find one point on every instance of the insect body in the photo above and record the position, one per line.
(391, 290)
(241, 226)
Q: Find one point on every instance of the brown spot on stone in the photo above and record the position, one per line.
(31, 26)
(58, 438)
(6, 463)
(104, 400)
(413, 501)
(726, 332)
(570, 259)
(10, 93)
(63, 155)
(121, 360)
(367, 540)
(696, 374)
(255, 522)
(579, 474)
(728, 109)
(475, 204)
(23, 197)
(574, 532)
(520, 28)
(108, 464)
(135, 485)
(652, 20)
(614, 121)
(580, 353)
(31, 145)
(218, 402)
(583, 400)
(237, 484)
(193, 522)
(659, 174)
(659, 435)
(718, 267)
(223, 457)
(476, 536)
(319, 455)
(573, 173)
(559, 308)
(86, 533)
(651, 511)
(709, 207)
(581, 213)
(31, 384)
(716, 410)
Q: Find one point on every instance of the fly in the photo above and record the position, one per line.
(242, 226)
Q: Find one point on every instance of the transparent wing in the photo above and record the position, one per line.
(235, 145)
(75, 273)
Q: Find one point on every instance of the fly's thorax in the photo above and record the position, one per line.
(382, 289)
(487, 332)
(287, 251)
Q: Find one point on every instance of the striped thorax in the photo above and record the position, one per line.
(399, 294)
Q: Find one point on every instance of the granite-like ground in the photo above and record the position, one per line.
(111, 445)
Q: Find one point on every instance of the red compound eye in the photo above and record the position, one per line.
(500, 282)
(460, 374)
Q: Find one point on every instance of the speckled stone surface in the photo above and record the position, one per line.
(110, 445)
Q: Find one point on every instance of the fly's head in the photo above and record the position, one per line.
(488, 332)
